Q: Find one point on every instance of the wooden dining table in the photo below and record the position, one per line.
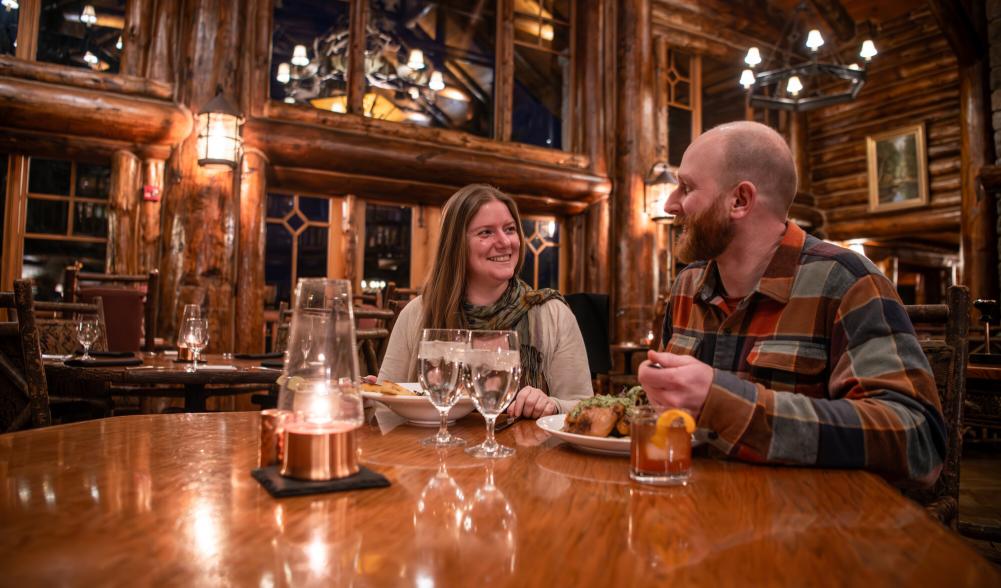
(169, 499)
(160, 369)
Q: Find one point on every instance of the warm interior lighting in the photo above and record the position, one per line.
(747, 78)
(90, 58)
(547, 32)
(753, 57)
(437, 82)
(284, 73)
(416, 59)
(793, 86)
(118, 43)
(88, 16)
(659, 183)
(414, 93)
(219, 142)
(10, 4)
(814, 40)
(453, 94)
(299, 56)
(854, 67)
(868, 50)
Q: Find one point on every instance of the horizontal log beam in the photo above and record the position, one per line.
(63, 146)
(82, 78)
(957, 26)
(835, 15)
(51, 108)
(916, 223)
(391, 158)
(313, 181)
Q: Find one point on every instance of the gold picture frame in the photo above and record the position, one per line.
(897, 169)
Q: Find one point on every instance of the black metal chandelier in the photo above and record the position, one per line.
(826, 83)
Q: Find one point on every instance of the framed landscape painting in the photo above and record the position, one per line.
(898, 169)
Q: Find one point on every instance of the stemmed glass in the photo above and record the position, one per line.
(87, 332)
(191, 311)
(493, 365)
(195, 334)
(439, 363)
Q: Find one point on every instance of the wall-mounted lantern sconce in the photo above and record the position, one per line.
(219, 142)
(660, 182)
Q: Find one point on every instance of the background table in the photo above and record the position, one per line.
(160, 370)
(169, 499)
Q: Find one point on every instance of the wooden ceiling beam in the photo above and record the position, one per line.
(836, 17)
(966, 40)
(717, 30)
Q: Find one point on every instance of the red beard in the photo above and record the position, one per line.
(705, 235)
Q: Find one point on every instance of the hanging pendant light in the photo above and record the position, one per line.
(747, 78)
(868, 50)
(299, 56)
(437, 82)
(794, 85)
(753, 57)
(416, 59)
(283, 75)
(88, 16)
(814, 40)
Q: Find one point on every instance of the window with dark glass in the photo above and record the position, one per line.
(542, 252)
(85, 34)
(67, 220)
(542, 82)
(297, 237)
(309, 53)
(387, 244)
(8, 27)
(682, 88)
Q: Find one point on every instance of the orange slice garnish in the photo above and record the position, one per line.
(665, 421)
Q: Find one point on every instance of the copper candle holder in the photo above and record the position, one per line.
(273, 423)
(184, 353)
(319, 452)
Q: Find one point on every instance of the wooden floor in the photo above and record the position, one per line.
(980, 493)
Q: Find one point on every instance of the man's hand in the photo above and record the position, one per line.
(681, 381)
(532, 403)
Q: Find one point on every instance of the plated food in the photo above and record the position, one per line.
(604, 415)
(389, 388)
(417, 409)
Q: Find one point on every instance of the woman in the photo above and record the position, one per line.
(474, 285)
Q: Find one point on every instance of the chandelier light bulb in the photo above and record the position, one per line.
(299, 56)
(289, 100)
(855, 67)
(10, 4)
(747, 79)
(416, 59)
(753, 57)
(868, 50)
(437, 82)
(88, 16)
(814, 40)
(90, 58)
(284, 73)
(415, 93)
(793, 86)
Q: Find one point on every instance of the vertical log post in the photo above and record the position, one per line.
(633, 288)
(250, 266)
(149, 232)
(123, 214)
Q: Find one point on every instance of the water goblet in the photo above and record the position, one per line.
(195, 334)
(493, 366)
(439, 363)
(87, 332)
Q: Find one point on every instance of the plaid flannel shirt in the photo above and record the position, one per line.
(819, 365)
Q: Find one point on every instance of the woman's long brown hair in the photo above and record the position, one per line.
(446, 285)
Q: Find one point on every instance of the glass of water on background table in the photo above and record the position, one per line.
(439, 366)
(88, 331)
(493, 366)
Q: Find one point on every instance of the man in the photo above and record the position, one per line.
(787, 349)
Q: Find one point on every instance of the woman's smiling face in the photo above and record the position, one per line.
(492, 238)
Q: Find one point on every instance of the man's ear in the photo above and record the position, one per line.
(745, 196)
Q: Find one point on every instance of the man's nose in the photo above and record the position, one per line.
(673, 204)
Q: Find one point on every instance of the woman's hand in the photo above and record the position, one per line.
(532, 403)
(370, 380)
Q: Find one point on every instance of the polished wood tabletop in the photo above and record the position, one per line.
(159, 369)
(168, 499)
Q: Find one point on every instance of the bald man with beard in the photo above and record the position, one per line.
(786, 349)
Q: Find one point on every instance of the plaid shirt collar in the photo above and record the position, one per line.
(776, 283)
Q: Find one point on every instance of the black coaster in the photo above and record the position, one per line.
(281, 487)
(118, 354)
(272, 355)
(273, 363)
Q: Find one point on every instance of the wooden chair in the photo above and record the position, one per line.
(942, 330)
(148, 284)
(398, 294)
(24, 397)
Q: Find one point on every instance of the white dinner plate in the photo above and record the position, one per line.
(603, 445)
(418, 409)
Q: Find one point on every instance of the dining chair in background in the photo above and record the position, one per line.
(24, 397)
(942, 330)
(130, 304)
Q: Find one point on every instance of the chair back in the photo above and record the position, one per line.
(392, 292)
(24, 397)
(56, 325)
(130, 304)
(591, 312)
(942, 331)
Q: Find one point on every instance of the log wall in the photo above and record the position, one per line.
(915, 79)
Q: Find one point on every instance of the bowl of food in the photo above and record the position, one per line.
(406, 400)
